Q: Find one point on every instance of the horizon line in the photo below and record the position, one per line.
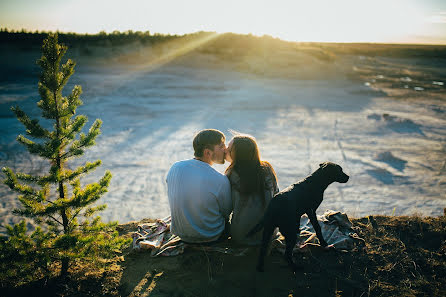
(36, 31)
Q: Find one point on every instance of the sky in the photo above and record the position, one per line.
(390, 21)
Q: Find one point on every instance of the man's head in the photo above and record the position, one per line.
(209, 146)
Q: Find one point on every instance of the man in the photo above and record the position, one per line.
(200, 196)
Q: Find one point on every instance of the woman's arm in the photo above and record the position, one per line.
(271, 177)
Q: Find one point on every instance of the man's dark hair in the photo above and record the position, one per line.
(206, 139)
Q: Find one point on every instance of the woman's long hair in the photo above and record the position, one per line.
(246, 162)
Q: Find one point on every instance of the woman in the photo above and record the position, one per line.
(253, 184)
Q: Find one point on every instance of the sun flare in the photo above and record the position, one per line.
(320, 20)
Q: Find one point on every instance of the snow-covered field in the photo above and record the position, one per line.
(387, 130)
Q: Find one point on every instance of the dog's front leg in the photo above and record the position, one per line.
(298, 217)
(313, 219)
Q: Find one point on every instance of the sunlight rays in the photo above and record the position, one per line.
(147, 60)
(175, 52)
(170, 51)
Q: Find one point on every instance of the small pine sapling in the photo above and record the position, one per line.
(56, 201)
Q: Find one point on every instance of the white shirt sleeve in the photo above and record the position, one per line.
(224, 198)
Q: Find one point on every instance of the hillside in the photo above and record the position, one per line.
(261, 56)
(404, 256)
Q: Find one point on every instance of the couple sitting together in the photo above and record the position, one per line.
(202, 199)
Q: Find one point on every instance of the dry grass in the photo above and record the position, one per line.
(404, 256)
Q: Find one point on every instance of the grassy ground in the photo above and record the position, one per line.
(404, 256)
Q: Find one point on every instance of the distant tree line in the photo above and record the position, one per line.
(71, 39)
(235, 46)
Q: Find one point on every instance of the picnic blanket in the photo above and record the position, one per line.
(336, 229)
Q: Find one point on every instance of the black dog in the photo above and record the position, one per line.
(286, 208)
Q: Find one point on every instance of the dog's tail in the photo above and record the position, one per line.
(256, 228)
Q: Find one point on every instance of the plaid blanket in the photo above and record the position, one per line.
(336, 228)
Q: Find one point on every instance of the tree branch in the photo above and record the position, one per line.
(55, 219)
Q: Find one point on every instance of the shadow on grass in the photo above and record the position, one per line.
(201, 273)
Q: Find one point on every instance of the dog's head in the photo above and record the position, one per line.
(334, 172)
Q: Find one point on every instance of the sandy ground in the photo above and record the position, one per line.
(383, 120)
